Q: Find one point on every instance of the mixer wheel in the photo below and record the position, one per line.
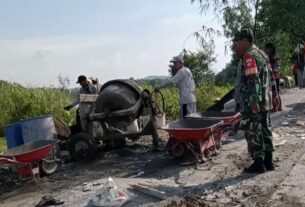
(83, 146)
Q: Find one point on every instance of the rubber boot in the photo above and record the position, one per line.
(257, 167)
(268, 161)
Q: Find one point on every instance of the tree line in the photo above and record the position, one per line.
(278, 21)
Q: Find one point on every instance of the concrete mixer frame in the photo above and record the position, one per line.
(96, 134)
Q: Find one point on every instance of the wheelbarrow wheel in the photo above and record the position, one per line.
(47, 168)
(176, 148)
(83, 147)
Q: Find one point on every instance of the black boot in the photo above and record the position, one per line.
(257, 167)
(268, 161)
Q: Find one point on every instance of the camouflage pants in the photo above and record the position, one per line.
(258, 133)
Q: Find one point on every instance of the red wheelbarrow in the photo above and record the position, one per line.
(196, 135)
(230, 121)
(33, 158)
(229, 118)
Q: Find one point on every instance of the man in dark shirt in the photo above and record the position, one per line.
(86, 88)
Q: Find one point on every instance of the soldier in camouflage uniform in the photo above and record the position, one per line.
(256, 101)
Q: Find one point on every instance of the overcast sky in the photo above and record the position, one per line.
(109, 39)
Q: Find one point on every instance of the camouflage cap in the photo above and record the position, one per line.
(244, 33)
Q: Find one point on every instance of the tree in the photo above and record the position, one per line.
(236, 18)
(200, 65)
(283, 16)
(282, 23)
(270, 16)
(228, 74)
(278, 21)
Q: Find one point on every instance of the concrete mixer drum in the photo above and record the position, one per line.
(120, 101)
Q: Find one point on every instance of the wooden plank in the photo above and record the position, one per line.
(149, 191)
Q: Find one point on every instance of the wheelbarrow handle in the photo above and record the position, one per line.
(7, 160)
(219, 128)
(236, 120)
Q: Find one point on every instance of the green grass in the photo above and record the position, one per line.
(2, 144)
(17, 102)
(205, 95)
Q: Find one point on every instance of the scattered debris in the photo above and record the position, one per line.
(96, 183)
(230, 188)
(285, 123)
(275, 135)
(210, 197)
(88, 187)
(280, 143)
(137, 175)
(149, 191)
(298, 131)
(300, 123)
(49, 201)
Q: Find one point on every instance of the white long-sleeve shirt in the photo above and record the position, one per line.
(184, 80)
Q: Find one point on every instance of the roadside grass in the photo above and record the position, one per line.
(205, 96)
(18, 102)
(2, 144)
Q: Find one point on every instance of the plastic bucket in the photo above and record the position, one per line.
(13, 135)
(38, 128)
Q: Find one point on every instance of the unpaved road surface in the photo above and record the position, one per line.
(218, 182)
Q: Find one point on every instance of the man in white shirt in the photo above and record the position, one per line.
(184, 80)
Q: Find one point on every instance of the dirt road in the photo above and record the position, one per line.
(218, 182)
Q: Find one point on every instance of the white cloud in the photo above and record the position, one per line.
(118, 58)
(106, 56)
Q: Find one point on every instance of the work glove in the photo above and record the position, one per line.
(67, 108)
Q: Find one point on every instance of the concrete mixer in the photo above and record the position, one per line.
(105, 117)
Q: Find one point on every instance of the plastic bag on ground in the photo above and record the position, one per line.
(110, 196)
